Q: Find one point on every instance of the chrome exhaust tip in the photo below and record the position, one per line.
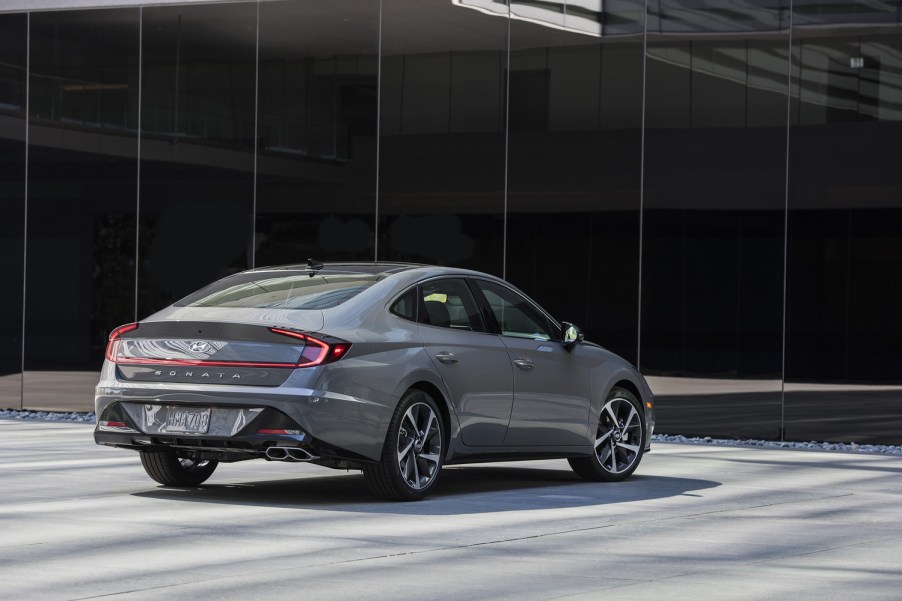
(298, 454)
(293, 454)
(276, 453)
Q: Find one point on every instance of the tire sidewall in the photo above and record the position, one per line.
(390, 451)
(621, 393)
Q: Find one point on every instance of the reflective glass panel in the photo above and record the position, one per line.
(845, 214)
(442, 134)
(316, 166)
(197, 148)
(574, 172)
(712, 271)
(81, 198)
(13, 34)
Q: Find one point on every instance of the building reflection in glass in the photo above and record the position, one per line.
(442, 143)
(713, 218)
(316, 125)
(13, 76)
(628, 168)
(82, 184)
(845, 215)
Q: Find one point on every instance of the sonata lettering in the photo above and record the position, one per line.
(190, 374)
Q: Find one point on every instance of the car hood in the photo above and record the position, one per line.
(308, 321)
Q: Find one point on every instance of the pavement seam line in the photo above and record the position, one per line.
(478, 544)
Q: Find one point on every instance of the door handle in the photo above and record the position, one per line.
(524, 363)
(446, 357)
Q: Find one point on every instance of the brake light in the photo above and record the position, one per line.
(338, 350)
(112, 347)
(316, 351)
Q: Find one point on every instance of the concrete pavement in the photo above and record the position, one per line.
(78, 521)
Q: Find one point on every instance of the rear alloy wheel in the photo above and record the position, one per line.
(619, 440)
(170, 470)
(413, 453)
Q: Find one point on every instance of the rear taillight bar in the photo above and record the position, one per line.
(316, 352)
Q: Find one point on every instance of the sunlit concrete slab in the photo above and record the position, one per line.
(695, 521)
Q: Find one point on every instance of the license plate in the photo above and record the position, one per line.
(188, 420)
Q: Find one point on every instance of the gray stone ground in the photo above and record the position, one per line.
(79, 521)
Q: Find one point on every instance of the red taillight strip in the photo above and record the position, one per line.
(199, 362)
(290, 333)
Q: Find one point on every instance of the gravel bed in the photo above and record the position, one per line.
(49, 416)
(838, 447)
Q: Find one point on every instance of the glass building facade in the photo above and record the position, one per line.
(711, 189)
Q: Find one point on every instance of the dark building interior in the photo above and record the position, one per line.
(710, 189)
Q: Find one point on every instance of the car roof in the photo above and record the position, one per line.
(369, 268)
(403, 273)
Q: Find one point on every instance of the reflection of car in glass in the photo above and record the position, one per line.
(392, 369)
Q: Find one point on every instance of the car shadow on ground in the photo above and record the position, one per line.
(470, 489)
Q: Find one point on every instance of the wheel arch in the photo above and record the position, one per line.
(431, 383)
(440, 400)
(644, 402)
(630, 386)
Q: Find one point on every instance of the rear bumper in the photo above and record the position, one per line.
(347, 421)
(243, 446)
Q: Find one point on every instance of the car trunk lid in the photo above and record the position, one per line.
(213, 352)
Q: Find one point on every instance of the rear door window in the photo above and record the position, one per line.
(448, 303)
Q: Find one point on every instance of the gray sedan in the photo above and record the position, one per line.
(392, 369)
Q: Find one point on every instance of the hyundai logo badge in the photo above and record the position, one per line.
(200, 347)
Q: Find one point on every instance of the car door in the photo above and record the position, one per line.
(551, 384)
(474, 364)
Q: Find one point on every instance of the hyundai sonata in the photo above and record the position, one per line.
(392, 369)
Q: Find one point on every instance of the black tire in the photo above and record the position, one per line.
(169, 470)
(619, 440)
(414, 450)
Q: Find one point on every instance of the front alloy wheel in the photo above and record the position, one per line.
(619, 440)
(412, 456)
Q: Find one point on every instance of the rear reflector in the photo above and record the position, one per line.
(113, 426)
(266, 431)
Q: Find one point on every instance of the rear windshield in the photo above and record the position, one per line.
(282, 291)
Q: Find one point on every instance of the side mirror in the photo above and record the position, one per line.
(572, 335)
